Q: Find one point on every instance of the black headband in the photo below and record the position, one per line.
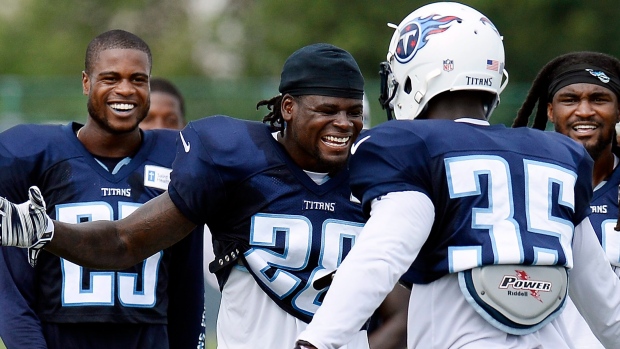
(322, 69)
(584, 73)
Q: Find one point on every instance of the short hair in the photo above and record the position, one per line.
(539, 91)
(165, 86)
(114, 39)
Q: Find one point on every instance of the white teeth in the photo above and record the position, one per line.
(337, 139)
(122, 106)
(584, 127)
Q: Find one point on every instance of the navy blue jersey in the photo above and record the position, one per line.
(501, 196)
(235, 177)
(605, 215)
(77, 188)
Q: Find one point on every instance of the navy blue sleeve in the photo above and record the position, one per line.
(383, 163)
(18, 163)
(19, 325)
(195, 185)
(186, 292)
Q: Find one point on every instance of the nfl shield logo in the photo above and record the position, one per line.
(448, 65)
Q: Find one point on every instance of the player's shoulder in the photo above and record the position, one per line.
(401, 134)
(223, 123)
(159, 146)
(553, 143)
(162, 135)
(34, 138)
(161, 138)
(221, 131)
(27, 132)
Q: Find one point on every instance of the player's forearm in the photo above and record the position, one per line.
(94, 244)
(154, 226)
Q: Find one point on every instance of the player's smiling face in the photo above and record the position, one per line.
(118, 89)
(586, 113)
(320, 130)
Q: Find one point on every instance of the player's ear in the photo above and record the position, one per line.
(287, 106)
(550, 112)
(85, 83)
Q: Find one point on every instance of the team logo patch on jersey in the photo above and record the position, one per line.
(156, 177)
(415, 35)
(522, 284)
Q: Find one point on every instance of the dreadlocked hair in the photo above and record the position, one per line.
(274, 117)
(538, 95)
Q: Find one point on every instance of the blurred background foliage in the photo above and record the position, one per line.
(226, 55)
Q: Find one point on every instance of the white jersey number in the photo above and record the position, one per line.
(278, 270)
(463, 174)
(101, 289)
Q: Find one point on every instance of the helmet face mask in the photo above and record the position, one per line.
(437, 48)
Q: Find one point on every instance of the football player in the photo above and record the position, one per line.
(484, 221)
(275, 196)
(167, 107)
(578, 92)
(101, 170)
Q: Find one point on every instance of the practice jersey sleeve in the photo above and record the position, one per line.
(193, 175)
(21, 155)
(390, 241)
(375, 172)
(594, 287)
(20, 327)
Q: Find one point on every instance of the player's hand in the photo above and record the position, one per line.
(300, 344)
(26, 224)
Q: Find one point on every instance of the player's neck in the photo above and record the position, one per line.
(105, 144)
(454, 106)
(603, 167)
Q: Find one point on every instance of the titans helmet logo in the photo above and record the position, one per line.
(415, 35)
(486, 21)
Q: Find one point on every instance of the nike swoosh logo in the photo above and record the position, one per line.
(356, 145)
(186, 145)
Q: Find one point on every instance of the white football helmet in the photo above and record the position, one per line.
(440, 47)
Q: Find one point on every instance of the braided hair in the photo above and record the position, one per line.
(538, 95)
(274, 117)
(539, 92)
